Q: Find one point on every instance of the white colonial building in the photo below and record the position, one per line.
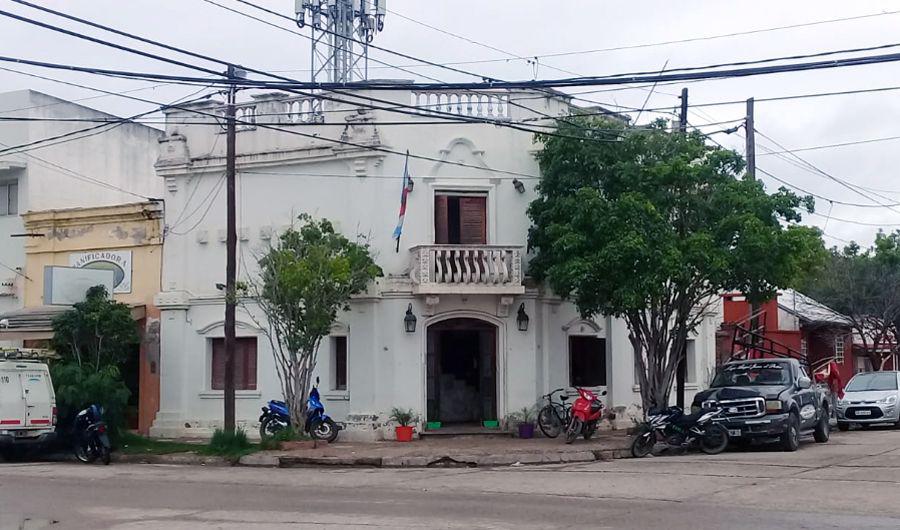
(101, 167)
(461, 268)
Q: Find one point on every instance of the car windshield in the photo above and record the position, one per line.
(753, 374)
(873, 381)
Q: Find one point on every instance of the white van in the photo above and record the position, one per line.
(27, 404)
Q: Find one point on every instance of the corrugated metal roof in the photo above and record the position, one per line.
(808, 309)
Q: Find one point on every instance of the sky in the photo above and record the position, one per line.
(493, 36)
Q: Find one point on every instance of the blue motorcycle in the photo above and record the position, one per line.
(276, 417)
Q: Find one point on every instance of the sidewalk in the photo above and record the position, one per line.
(450, 451)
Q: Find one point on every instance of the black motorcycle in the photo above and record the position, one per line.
(676, 429)
(91, 438)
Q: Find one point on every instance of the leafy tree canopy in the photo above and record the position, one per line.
(864, 285)
(95, 333)
(651, 226)
(303, 282)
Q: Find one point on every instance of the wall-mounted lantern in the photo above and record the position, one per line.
(522, 318)
(519, 185)
(409, 321)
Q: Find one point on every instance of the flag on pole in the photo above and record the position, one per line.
(407, 187)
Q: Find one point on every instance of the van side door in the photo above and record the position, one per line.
(12, 401)
(38, 398)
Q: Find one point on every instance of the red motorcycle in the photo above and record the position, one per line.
(586, 413)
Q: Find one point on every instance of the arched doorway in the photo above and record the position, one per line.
(461, 371)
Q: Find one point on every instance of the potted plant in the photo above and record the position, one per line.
(404, 418)
(525, 420)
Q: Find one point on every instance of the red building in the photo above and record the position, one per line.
(790, 324)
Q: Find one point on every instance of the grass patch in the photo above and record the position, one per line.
(289, 434)
(134, 444)
(230, 445)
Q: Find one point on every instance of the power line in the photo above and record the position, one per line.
(842, 182)
(103, 127)
(839, 144)
(855, 222)
(718, 36)
(305, 135)
(828, 199)
(417, 111)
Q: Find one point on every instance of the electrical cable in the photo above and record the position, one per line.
(712, 37)
(828, 199)
(819, 171)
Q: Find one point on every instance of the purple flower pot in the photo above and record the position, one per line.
(526, 430)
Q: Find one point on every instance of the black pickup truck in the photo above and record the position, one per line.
(768, 398)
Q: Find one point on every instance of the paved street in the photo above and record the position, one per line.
(852, 482)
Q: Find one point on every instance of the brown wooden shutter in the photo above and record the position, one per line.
(218, 364)
(441, 220)
(473, 220)
(249, 365)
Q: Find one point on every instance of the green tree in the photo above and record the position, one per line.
(864, 285)
(304, 280)
(97, 332)
(651, 226)
(93, 339)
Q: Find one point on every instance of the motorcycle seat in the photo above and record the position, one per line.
(689, 419)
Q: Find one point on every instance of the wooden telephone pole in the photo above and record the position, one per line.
(681, 371)
(750, 152)
(231, 252)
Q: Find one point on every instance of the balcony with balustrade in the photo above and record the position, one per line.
(467, 269)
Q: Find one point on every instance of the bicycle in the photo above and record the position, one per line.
(554, 416)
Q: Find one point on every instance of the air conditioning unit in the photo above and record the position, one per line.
(8, 287)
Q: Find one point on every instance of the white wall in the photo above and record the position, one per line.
(282, 175)
(64, 174)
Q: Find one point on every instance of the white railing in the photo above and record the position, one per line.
(304, 110)
(467, 268)
(469, 104)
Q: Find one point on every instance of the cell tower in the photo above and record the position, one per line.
(337, 27)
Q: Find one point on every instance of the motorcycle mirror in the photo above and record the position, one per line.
(317, 380)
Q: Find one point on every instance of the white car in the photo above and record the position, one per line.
(27, 404)
(870, 397)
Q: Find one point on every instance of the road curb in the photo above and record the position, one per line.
(436, 460)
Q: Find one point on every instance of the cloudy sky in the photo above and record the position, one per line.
(492, 36)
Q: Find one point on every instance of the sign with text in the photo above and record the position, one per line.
(68, 285)
(117, 261)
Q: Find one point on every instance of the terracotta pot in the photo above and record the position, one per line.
(404, 433)
(526, 430)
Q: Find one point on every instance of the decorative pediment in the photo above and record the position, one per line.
(582, 326)
(461, 151)
(246, 326)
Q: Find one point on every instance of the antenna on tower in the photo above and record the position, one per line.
(336, 26)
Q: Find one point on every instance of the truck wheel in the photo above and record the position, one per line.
(843, 426)
(790, 439)
(823, 428)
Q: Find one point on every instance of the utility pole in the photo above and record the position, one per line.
(750, 152)
(751, 140)
(231, 251)
(681, 371)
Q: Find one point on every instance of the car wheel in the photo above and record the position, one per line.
(823, 428)
(843, 426)
(790, 440)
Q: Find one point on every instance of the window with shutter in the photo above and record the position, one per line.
(460, 219)
(244, 364)
(339, 360)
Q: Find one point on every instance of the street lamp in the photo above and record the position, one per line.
(522, 318)
(409, 321)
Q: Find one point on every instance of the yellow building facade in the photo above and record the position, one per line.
(126, 239)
